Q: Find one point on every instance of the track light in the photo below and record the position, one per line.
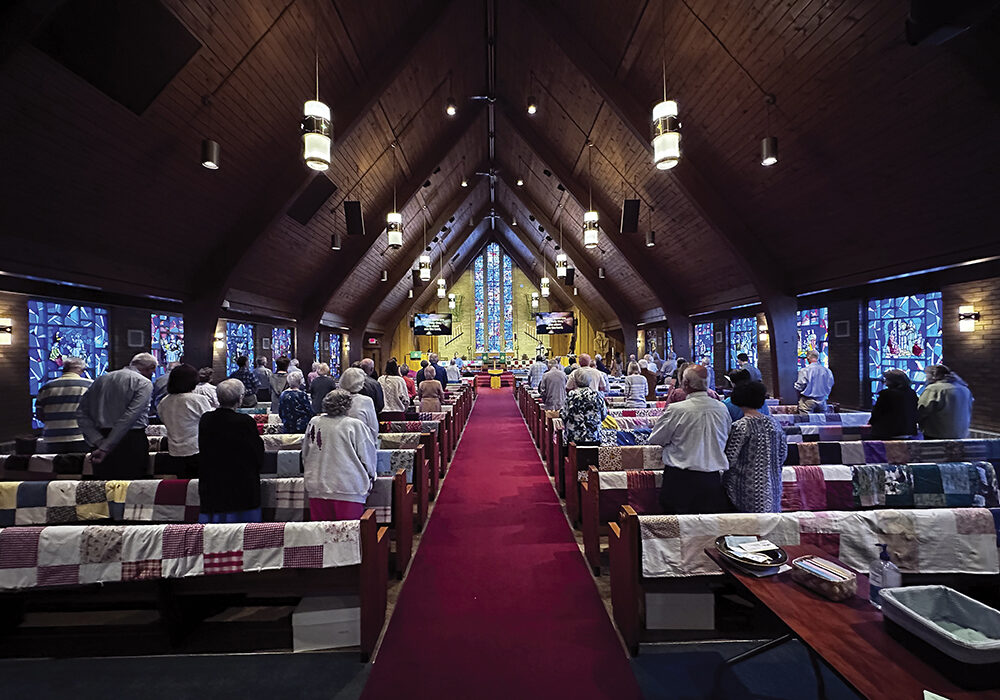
(409, 294)
(335, 242)
(600, 272)
(451, 109)
(532, 107)
(385, 275)
(769, 151)
(575, 291)
(650, 239)
(210, 154)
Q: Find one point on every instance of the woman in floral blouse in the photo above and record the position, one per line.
(295, 405)
(756, 450)
(582, 415)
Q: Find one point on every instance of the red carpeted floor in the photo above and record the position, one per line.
(499, 602)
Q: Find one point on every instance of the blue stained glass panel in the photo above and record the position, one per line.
(56, 331)
(480, 304)
(316, 348)
(742, 338)
(281, 345)
(336, 343)
(813, 330)
(704, 342)
(670, 342)
(239, 341)
(166, 340)
(493, 310)
(508, 304)
(904, 333)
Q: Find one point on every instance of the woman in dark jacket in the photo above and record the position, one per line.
(894, 414)
(231, 459)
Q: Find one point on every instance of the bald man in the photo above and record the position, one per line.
(693, 433)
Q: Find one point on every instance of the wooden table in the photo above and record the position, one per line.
(849, 636)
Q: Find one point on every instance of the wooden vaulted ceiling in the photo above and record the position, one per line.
(888, 163)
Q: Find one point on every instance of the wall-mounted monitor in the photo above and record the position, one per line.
(554, 322)
(432, 324)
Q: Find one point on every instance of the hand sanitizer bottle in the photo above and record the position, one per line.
(882, 574)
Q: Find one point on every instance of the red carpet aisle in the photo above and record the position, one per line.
(498, 602)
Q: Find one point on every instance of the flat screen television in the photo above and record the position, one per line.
(554, 322)
(432, 324)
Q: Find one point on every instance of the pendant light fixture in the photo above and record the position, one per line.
(666, 131)
(451, 302)
(450, 107)
(442, 284)
(575, 291)
(385, 275)
(591, 227)
(409, 293)
(545, 279)
(534, 300)
(532, 102)
(465, 183)
(769, 144)
(335, 242)
(425, 259)
(210, 154)
(650, 234)
(600, 272)
(316, 128)
(394, 220)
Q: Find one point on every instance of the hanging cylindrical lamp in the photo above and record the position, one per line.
(451, 301)
(335, 242)
(425, 268)
(442, 288)
(385, 275)
(591, 229)
(316, 135)
(562, 262)
(769, 150)
(394, 228)
(210, 154)
(409, 294)
(534, 300)
(650, 239)
(545, 286)
(666, 135)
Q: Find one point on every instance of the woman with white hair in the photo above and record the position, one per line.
(636, 387)
(231, 456)
(339, 459)
(430, 392)
(295, 405)
(362, 407)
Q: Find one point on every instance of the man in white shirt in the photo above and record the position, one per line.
(813, 384)
(453, 372)
(585, 375)
(694, 437)
(552, 388)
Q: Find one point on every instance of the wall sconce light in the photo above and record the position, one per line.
(220, 342)
(6, 331)
(763, 333)
(967, 317)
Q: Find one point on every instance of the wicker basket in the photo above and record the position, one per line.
(834, 590)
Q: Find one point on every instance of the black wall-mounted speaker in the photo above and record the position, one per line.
(352, 215)
(630, 216)
(570, 276)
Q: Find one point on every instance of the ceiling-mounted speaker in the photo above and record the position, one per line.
(311, 199)
(352, 215)
(417, 282)
(570, 276)
(630, 216)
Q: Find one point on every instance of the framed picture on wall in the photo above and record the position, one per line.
(136, 338)
(265, 343)
(718, 336)
(842, 329)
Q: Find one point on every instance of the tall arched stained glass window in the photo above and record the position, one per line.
(239, 342)
(336, 343)
(166, 340)
(742, 338)
(281, 345)
(493, 286)
(477, 274)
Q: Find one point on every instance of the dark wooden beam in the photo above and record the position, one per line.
(342, 263)
(508, 239)
(770, 281)
(408, 253)
(629, 247)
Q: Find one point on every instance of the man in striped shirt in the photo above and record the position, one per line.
(56, 407)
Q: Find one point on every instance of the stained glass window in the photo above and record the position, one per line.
(281, 345)
(670, 342)
(166, 340)
(316, 348)
(493, 287)
(742, 338)
(480, 304)
(239, 341)
(336, 343)
(704, 343)
(57, 330)
(493, 312)
(508, 304)
(903, 333)
(813, 335)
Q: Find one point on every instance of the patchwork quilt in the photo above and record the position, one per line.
(937, 541)
(629, 423)
(409, 426)
(823, 418)
(399, 441)
(892, 451)
(635, 436)
(82, 554)
(809, 432)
